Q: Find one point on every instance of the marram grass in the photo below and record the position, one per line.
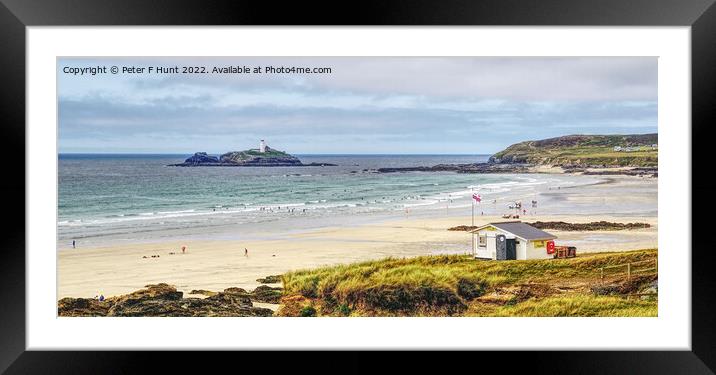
(458, 285)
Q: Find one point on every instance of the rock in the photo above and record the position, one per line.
(235, 290)
(82, 307)
(164, 300)
(463, 228)
(201, 158)
(595, 225)
(145, 302)
(266, 294)
(203, 292)
(464, 168)
(319, 165)
(273, 279)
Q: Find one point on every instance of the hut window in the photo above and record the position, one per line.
(482, 240)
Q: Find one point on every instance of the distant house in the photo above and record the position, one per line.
(511, 240)
(654, 146)
(617, 148)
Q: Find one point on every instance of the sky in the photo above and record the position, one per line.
(364, 105)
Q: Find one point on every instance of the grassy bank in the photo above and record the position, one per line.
(459, 286)
(591, 150)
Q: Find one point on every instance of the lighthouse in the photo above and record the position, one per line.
(262, 146)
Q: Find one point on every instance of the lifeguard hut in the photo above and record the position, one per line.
(512, 240)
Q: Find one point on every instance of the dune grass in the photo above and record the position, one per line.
(576, 305)
(446, 285)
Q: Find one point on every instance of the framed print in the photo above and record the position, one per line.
(485, 177)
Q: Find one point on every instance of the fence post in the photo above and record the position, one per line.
(601, 275)
(628, 271)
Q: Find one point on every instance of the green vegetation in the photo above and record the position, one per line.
(459, 285)
(574, 305)
(269, 153)
(308, 311)
(238, 156)
(584, 150)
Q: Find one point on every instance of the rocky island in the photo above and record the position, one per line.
(264, 156)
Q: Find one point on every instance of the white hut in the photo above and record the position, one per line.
(511, 240)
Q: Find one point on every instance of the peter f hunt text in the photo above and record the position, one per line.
(230, 69)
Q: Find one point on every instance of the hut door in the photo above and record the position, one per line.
(500, 247)
(511, 249)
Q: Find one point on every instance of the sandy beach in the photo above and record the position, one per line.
(221, 263)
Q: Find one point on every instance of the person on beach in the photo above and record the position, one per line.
(73, 244)
(183, 249)
(246, 252)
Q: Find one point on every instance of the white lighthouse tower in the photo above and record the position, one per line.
(262, 146)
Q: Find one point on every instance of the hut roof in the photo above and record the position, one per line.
(521, 230)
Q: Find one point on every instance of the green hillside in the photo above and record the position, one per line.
(584, 150)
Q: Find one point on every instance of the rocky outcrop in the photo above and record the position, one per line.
(567, 227)
(272, 279)
(463, 228)
(266, 294)
(462, 168)
(201, 158)
(595, 225)
(165, 300)
(82, 307)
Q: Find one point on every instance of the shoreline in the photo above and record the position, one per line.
(215, 258)
(224, 219)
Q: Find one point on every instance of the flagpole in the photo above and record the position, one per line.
(472, 199)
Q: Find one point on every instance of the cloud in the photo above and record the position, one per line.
(400, 105)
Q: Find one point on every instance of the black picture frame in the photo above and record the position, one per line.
(16, 15)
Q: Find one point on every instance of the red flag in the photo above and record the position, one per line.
(477, 197)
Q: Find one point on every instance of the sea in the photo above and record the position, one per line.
(133, 196)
